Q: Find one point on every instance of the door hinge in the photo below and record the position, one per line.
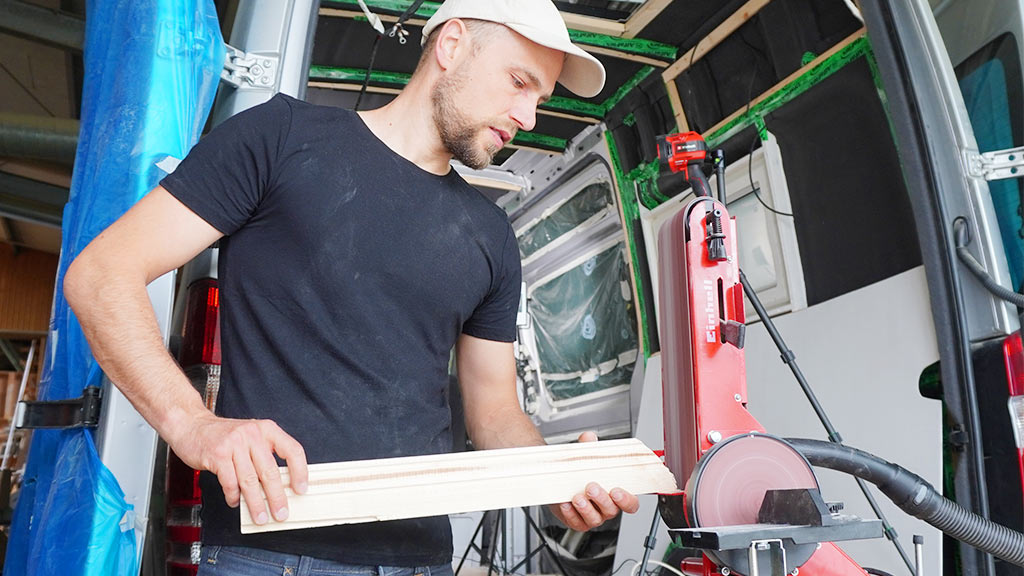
(996, 165)
(242, 68)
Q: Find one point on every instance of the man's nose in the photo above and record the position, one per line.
(524, 113)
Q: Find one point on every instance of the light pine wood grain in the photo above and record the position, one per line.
(418, 486)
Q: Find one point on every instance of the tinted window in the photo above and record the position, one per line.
(990, 80)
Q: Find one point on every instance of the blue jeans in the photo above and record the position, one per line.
(235, 561)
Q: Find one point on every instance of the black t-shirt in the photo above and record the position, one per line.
(346, 275)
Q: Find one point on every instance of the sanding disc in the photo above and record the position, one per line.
(730, 481)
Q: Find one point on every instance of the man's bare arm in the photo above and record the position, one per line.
(106, 288)
(494, 420)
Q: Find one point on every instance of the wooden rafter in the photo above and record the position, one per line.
(707, 43)
(418, 486)
(787, 80)
(644, 16)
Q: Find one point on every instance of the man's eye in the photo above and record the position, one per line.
(518, 83)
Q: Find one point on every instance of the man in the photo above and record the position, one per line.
(352, 260)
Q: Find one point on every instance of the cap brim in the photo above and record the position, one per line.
(582, 73)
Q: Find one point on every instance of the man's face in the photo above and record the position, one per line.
(480, 104)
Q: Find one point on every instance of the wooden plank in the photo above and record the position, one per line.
(593, 24)
(677, 106)
(707, 43)
(644, 16)
(782, 84)
(624, 55)
(418, 486)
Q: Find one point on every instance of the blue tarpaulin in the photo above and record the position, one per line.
(151, 71)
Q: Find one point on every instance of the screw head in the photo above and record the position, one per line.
(737, 397)
(266, 63)
(795, 572)
(264, 80)
(714, 436)
(725, 571)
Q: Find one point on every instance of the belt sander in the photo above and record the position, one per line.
(751, 501)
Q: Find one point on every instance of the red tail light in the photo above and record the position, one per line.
(200, 359)
(201, 333)
(1013, 352)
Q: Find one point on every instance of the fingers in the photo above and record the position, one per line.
(588, 436)
(626, 501)
(270, 478)
(249, 485)
(289, 448)
(241, 454)
(595, 506)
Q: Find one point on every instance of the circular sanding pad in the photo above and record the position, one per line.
(730, 481)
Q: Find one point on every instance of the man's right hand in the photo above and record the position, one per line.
(241, 454)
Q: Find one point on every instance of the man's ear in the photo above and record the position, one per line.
(452, 43)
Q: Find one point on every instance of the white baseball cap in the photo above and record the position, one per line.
(540, 22)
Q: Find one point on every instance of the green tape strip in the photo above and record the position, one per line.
(540, 140)
(426, 10)
(829, 66)
(329, 73)
(574, 106)
(631, 215)
(638, 46)
(614, 99)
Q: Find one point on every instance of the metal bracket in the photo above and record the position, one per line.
(81, 412)
(997, 165)
(242, 68)
(775, 549)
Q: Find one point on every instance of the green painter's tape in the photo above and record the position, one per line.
(327, 73)
(426, 10)
(539, 140)
(574, 106)
(631, 216)
(638, 46)
(626, 88)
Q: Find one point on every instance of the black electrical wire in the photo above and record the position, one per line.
(750, 174)
(750, 155)
(376, 42)
(961, 235)
(369, 71)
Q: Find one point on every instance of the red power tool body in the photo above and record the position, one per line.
(704, 374)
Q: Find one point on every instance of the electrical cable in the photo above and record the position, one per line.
(369, 71)
(961, 234)
(750, 155)
(750, 175)
(396, 29)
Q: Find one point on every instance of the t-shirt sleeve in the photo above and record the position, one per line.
(495, 317)
(224, 177)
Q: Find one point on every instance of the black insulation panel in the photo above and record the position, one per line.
(849, 199)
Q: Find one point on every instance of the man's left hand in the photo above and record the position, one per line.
(594, 506)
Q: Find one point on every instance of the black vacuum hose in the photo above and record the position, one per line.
(916, 497)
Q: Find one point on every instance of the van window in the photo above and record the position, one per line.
(585, 326)
(586, 204)
(990, 81)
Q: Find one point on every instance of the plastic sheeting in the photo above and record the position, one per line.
(584, 205)
(151, 71)
(585, 327)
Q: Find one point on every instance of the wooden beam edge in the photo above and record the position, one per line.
(788, 79)
(714, 38)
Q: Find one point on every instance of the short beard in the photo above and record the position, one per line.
(458, 134)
